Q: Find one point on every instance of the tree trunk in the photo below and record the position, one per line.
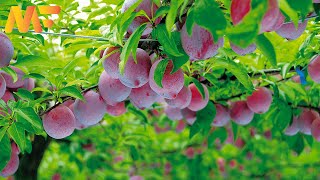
(29, 163)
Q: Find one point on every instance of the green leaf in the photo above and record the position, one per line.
(199, 87)
(8, 2)
(302, 6)
(296, 143)
(36, 61)
(179, 61)
(17, 133)
(267, 49)
(234, 130)
(237, 70)
(134, 153)
(172, 14)
(285, 7)
(72, 92)
(5, 149)
(159, 72)
(161, 11)
(24, 94)
(220, 133)
(11, 72)
(3, 131)
(131, 46)
(30, 115)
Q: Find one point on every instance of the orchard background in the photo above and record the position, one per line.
(120, 89)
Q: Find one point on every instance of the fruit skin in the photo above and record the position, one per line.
(222, 116)
(197, 101)
(136, 75)
(173, 113)
(3, 86)
(290, 32)
(92, 110)
(201, 44)
(6, 49)
(315, 129)
(116, 110)
(243, 51)
(59, 122)
(9, 80)
(305, 120)
(78, 124)
(313, 68)
(294, 128)
(260, 100)
(280, 20)
(12, 165)
(189, 115)
(111, 63)
(182, 100)
(112, 90)
(240, 113)
(172, 83)
(143, 97)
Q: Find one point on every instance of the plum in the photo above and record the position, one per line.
(182, 100)
(305, 120)
(12, 165)
(116, 110)
(243, 51)
(173, 113)
(290, 32)
(313, 68)
(197, 101)
(180, 126)
(78, 124)
(111, 63)
(260, 100)
(189, 116)
(315, 129)
(240, 113)
(6, 49)
(294, 128)
(143, 97)
(9, 80)
(222, 116)
(3, 86)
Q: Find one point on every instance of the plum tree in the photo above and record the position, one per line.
(240, 8)
(260, 100)
(59, 122)
(171, 83)
(290, 32)
(305, 120)
(240, 113)
(111, 63)
(92, 110)
(116, 110)
(294, 128)
(243, 51)
(9, 80)
(143, 97)
(112, 90)
(182, 100)
(315, 129)
(12, 165)
(136, 74)
(197, 101)
(313, 69)
(222, 116)
(3, 86)
(6, 49)
(189, 116)
(201, 44)
(173, 113)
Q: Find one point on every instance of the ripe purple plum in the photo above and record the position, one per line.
(3, 86)
(280, 20)
(315, 129)
(313, 68)
(200, 45)
(7, 96)
(143, 97)
(137, 74)
(240, 113)
(173, 113)
(189, 116)
(12, 165)
(243, 51)
(112, 90)
(294, 128)
(260, 100)
(171, 83)
(59, 122)
(305, 120)
(78, 124)
(182, 100)
(316, 1)
(14, 148)
(111, 63)
(290, 32)
(240, 8)
(222, 116)
(197, 101)
(9, 80)
(29, 84)
(6, 49)
(116, 110)
(92, 110)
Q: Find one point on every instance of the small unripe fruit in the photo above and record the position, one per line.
(243, 51)
(305, 120)
(290, 32)
(313, 68)
(111, 63)
(222, 116)
(197, 101)
(173, 113)
(260, 100)
(143, 97)
(117, 110)
(182, 100)
(240, 113)
(6, 49)
(9, 80)
(59, 122)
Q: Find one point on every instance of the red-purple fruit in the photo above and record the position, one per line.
(136, 75)
(112, 90)
(143, 97)
(12, 165)
(9, 79)
(197, 101)
(173, 113)
(180, 126)
(243, 51)
(240, 113)
(78, 124)
(92, 110)
(182, 100)
(171, 83)
(294, 128)
(189, 116)
(314, 68)
(201, 44)
(6, 49)
(315, 129)
(222, 116)
(3, 86)
(290, 32)
(240, 8)
(190, 152)
(260, 100)
(136, 178)
(305, 120)
(280, 20)
(111, 63)
(116, 110)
